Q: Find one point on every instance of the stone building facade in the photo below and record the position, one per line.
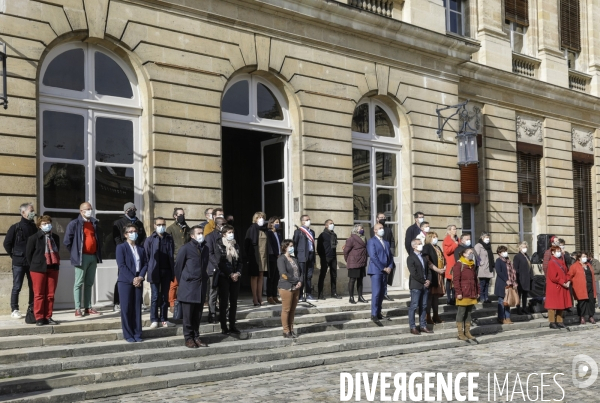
(320, 107)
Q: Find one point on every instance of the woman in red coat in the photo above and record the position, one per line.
(449, 246)
(584, 287)
(558, 297)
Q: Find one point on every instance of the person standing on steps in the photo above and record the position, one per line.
(227, 276)
(419, 282)
(304, 246)
(467, 291)
(464, 243)
(413, 231)
(554, 241)
(485, 272)
(506, 277)
(133, 266)
(558, 297)
(584, 287)
(449, 247)
(130, 217)
(160, 249)
(380, 266)
(84, 242)
(290, 283)
(208, 214)
(522, 265)
(355, 254)
(388, 236)
(327, 250)
(257, 255)
(15, 244)
(435, 256)
(213, 265)
(180, 231)
(191, 273)
(211, 224)
(42, 256)
(424, 226)
(275, 239)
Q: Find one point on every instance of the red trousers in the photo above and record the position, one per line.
(44, 285)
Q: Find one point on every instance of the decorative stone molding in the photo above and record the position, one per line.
(583, 140)
(529, 129)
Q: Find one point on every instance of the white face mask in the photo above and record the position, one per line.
(209, 216)
(419, 248)
(557, 254)
(380, 232)
(584, 260)
(504, 254)
(426, 229)
(47, 227)
(87, 213)
(468, 242)
(524, 250)
(562, 247)
(434, 241)
(200, 238)
(229, 237)
(160, 229)
(486, 240)
(260, 222)
(331, 227)
(307, 223)
(421, 220)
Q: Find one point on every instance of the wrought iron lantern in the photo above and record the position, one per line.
(4, 96)
(466, 136)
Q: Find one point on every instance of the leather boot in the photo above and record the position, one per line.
(277, 301)
(437, 319)
(352, 301)
(428, 319)
(468, 331)
(321, 297)
(461, 332)
(361, 299)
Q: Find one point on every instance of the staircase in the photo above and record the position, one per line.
(88, 358)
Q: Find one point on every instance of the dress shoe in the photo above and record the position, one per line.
(582, 320)
(40, 322)
(200, 343)
(92, 311)
(321, 297)
(425, 330)
(277, 301)
(376, 320)
(387, 298)
(287, 336)
(415, 332)
(380, 317)
(334, 295)
(51, 321)
(592, 320)
(225, 331)
(553, 326)
(437, 319)
(361, 299)
(561, 325)
(271, 301)
(234, 330)
(351, 300)
(190, 344)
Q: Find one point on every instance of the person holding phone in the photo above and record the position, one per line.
(289, 286)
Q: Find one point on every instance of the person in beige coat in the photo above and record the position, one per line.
(485, 260)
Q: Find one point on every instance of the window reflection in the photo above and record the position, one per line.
(383, 124)
(63, 135)
(361, 165)
(267, 105)
(114, 187)
(114, 140)
(71, 61)
(64, 185)
(110, 78)
(386, 169)
(237, 99)
(360, 119)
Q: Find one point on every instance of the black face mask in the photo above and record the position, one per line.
(181, 219)
(382, 221)
(131, 213)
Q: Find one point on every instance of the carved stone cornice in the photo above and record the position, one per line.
(534, 130)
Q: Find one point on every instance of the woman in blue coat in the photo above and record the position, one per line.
(133, 265)
(506, 277)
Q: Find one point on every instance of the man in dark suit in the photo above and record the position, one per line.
(304, 249)
(213, 264)
(192, 277)
(420, 280)
(381, 264)
(388, 236)
(413, 231)
(326, 249)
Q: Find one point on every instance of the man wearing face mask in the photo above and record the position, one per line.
(413, 231)
(159, 249)
(208, 214)
(213, 264)
(180, 232)
(130, 217)
(424, 226)
(210, 225)
(84, 243)
(15, 244)
(381, 264)
(326, 248)
(464, 243)
(304, 241)
(388, 235)
(420, 280)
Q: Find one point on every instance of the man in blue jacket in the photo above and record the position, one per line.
(304, 243)
(159, 248)
(380, 265)
(84, 242)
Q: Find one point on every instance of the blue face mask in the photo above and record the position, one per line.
(46, 227)
(133, 236)
(160, 229)
(291, 250)
(276, 226)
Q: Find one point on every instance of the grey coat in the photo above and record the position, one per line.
(484, 270)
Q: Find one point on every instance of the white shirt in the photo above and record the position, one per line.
(136, 257)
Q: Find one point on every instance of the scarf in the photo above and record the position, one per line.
(488, 248)
(466, 261)
(230, 248)
(512, 274)
(51, 252)
(439, 256)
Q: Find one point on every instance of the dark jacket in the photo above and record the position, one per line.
(15, 242)
(120, 224)
(252, 254)
(523, 269)
(411, 234)
(274, 248)
(73, 240)
(355, 252)
(301, 249)
(465, 280)
(415, 268)
(126, 263)
(227, 268)
(181, 236)
(459, 251)
(286, 273)
(327, 244)
(431, 255)
(213, 260)
(35, 252)
(190, 272)
(501, 278)
(151, 247)
(388, 236)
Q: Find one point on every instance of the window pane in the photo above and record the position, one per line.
(274, 200)
(394, 228)
(386, 203)
(362, 203)
(236, 99)
(386, 169)
(66, 71)
(383, 123)
(63, 135)
(455, 5)
(267, 105)
(361, 166)
(456, 23)
(64, 185)
(467, 225)
(114, 140)
(114, 187)
(59, 226)
(360, 119)
(273, 162)
(518, 41)
(110, 78)
(106, 225)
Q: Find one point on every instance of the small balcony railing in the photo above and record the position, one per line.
(525, 65)
(381, 7)
(579, 81)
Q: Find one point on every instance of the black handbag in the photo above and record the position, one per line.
(452, 297)
(30, 317)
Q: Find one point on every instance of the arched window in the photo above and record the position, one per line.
(251, 102)
(376, 165)
(89, 137)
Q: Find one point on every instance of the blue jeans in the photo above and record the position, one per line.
(159, 303)
(503, 311)
(19, 273)
(418, 298)
(484, 285)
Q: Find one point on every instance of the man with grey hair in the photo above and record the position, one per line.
(15, 244)
(420, 280)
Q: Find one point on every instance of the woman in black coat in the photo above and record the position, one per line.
(227, 253)
(274, 239)
(434, 254)
(42, 254)
(522, 265)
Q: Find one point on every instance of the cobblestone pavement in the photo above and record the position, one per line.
(550, 354)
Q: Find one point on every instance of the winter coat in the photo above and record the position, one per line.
(557, 296)
(355, 252)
